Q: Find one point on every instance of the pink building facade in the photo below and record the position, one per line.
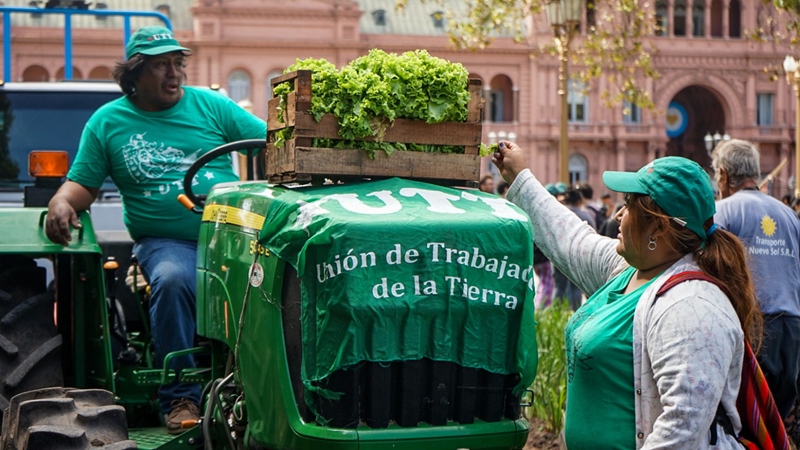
(713, 77)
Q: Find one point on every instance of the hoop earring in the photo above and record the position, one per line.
(651, 243)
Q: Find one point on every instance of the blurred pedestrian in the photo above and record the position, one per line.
(796, 206)
(564, 287)
(611, 226)
(487, 184)
(771, 233)
(502, 188)
(594, 208)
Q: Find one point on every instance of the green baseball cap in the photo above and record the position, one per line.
(153, 41)
(678, 185)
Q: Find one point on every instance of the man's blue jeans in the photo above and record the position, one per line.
(170, 266)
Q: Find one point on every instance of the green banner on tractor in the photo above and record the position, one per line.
(399, 270)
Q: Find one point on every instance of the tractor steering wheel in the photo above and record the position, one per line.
(194, 201)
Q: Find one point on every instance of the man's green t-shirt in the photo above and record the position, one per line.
(600, 391)
(147, 155)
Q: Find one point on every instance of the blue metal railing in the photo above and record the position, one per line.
(68, 13)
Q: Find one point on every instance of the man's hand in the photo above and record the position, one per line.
(510, 160)
(62, 211)
(60, 215)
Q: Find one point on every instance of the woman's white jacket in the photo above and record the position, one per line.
(688, 346)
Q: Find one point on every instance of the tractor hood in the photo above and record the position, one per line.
(399, 270)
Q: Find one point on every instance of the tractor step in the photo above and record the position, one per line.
(153, 377)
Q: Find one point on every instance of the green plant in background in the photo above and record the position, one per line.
(550, 385)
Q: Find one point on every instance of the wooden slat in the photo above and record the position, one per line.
(351, 162)
(281, 160)
(403, 130)
(273, 123)
(302, 86)
(288, 76)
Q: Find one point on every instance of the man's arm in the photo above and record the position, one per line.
(62, 210)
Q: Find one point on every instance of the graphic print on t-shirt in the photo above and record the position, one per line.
(147, 161)
(768, 225)
(770, 244)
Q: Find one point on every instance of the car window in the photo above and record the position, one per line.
(42, 120)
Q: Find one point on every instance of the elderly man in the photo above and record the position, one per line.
(771, 234)
(145, 141)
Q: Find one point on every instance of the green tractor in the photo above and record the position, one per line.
(389, 313)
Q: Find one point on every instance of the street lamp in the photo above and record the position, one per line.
(793, 78)
(713, 141)
(563, 16)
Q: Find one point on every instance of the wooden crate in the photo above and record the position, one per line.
(297, 161)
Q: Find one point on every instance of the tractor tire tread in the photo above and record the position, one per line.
(64, 419)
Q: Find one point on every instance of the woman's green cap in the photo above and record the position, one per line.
(678, 185)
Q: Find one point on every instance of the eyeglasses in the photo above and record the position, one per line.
(626, 199)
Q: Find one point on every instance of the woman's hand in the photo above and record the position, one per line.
(510, 160)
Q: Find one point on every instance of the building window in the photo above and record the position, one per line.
(239, 86)
(591, 18)
(765, 23)
(662, 21)
(716, 18)
(765, 109)
(438, 19)
(578, 168)
(578, 102)
(698, 18)
(631, 113)
(734, 19)
(497, 106)
(379, 15)
(679, 19)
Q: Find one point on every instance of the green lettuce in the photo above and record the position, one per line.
(369, 93)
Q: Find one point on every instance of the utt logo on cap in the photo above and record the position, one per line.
(158, 37)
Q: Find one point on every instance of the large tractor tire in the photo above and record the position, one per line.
(65, 419)
(30, 346)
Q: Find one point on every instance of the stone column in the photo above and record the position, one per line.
(671, 18)
(487, 97)
(726, 16)
(515, 95)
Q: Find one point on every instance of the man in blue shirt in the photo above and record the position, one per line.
(770, 232)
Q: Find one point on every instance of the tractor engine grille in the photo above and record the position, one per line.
(402, 392)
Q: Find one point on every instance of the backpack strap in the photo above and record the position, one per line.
(757, 406)
(684, 276)
(762, 425)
